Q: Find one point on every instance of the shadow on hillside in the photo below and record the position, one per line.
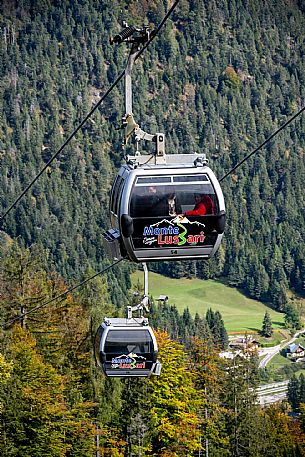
(279, 324)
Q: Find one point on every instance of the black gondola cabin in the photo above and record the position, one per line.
(126, 348)
(165, 212)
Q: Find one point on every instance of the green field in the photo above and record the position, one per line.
(240, 314)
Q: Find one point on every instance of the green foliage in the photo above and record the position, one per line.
(217, 328)
(279, 436)
(296, 391)
(209, 372)
(219, 78)
(23, 280)
(238, 312)
(230, 79)
(292, 317)
(35, 418)
(267, 326)
(184, 327)
(239, 396)
(58, 358)
(173, 403)
(234, 81)
(61, 406)
(5, 374)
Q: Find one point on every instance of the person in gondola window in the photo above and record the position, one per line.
(162, 205)
(174, 207)
(155, 202)
(203, 205)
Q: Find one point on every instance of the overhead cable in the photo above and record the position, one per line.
(28, 187)
(264, 143)
(62, 295)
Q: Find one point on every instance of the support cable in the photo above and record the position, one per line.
(62, 295)
(264, 143)
(153, 35)
(28, 187)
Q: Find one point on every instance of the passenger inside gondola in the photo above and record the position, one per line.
(155, 199)
(174, 207)
(156, 203)
(162, 205)
(124, 342)
(209, 204)
(203, 205)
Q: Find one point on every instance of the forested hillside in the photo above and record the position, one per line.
(55, 402)
(219, 79)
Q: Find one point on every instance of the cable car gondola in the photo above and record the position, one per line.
(152, 211)
(126, 348)
(155, 200)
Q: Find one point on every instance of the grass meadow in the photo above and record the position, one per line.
(240, 314)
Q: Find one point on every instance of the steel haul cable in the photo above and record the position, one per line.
(62, 295)
(28, 187)
(264, 143)
(2, 217)
(79, 127)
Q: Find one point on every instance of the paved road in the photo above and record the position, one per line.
(272, 386)
(269, 355)
(271, 352)
(272, 398)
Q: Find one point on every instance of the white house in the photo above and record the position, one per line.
(295, 351)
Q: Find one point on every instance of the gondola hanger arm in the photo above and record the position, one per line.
(138, 38)
(144, 303)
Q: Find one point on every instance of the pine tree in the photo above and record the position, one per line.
(209, 373)
(217, 328)
(219, 332)
(267, 326)
(292, 317)
(302, 388)
(239, 397)
(293, 392)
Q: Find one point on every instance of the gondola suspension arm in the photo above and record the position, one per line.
(136, 37)
(144, 303)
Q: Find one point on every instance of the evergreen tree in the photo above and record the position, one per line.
(267, 326)
(209, 375)
(293, 392)
(225, 97)
(292, 317)
(229, 75)
(217, 328)
(239, 397)
(219, 332)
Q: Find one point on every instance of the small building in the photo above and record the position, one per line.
(295, 351)
(244, 343)
(163, 299)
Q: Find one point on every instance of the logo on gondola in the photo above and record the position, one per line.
(131, 361)
(174, 232)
